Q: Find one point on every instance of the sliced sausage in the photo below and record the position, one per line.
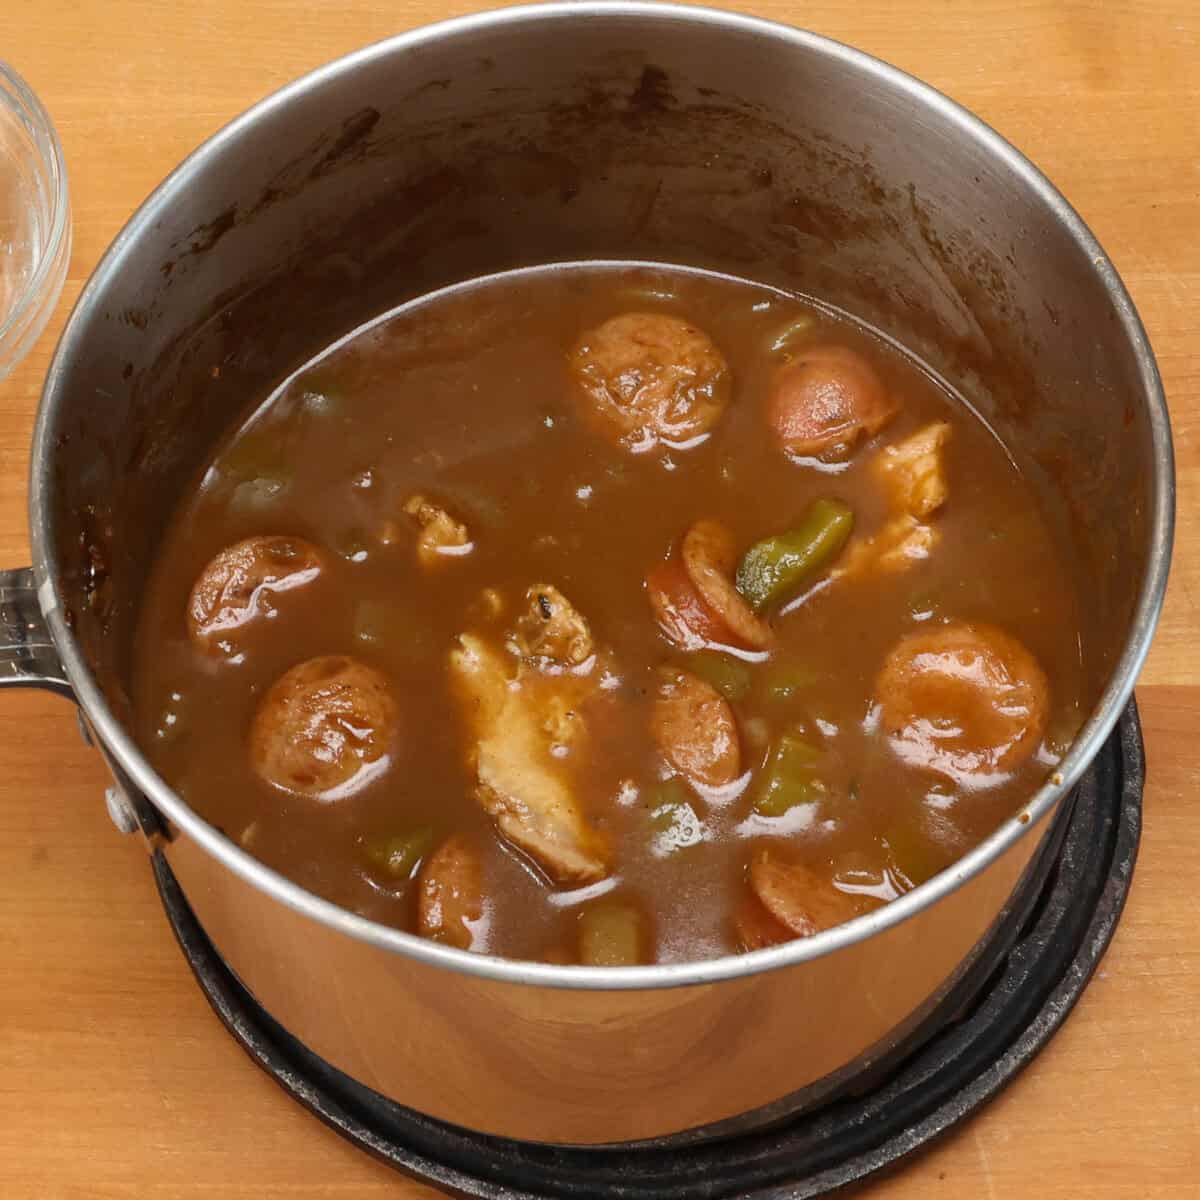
(683, 617)
(709, 558)
(798, 898)
(324, 728)
(966, 700)
(755, 928)
(552, 629)
(826, 401)
(695, 729)
(441, 536)
(789, 901)
(450, 893)
(694, 597)
(648, 377)
(238, 586)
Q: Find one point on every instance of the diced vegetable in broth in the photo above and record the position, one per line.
(789, 777)
(911, 852)
(611, 935)
(786, 680)
(255, 498)
(400, 855)
(786, 340)
(730, 676)
(675, 826)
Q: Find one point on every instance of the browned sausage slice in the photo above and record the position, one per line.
(239, 584)
(709, 558)
(755, 928)
(798, 898)
(322, 727)
(450, 893)
(695, 729)
(826, 401)
(694, 598)
(966, 700)
(686, 621)
(648, 377)
(790, 901)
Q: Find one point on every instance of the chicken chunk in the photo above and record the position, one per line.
(912, 475)
(645, 378)
(964, 700)
(694, 597)
(826, 401)
(241, 584)
(441, 536)
(789, 901)
(324, 729)
(519, 721)
(695, 729)
(450, 894)
(551, 630)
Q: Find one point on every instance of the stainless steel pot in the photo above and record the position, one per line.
(574, 131)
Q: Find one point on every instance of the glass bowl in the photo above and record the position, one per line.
(35, 218)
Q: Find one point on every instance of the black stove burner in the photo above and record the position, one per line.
(992, 1028)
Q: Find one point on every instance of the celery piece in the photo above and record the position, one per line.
(399, 856)
(610, 935)
(786, 680)
(252, 496)
(258, 453)
(353, 545)
(792, 332)
(675, 826)
(372, 621)
(730, 676)
(664, 797)
(789, 777)
(913, 853)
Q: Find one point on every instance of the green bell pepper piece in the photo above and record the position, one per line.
(772, 568)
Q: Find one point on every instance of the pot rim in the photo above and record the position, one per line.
(1085, 747)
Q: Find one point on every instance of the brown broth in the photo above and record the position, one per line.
(464, 396)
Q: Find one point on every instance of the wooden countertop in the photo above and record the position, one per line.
(115, 1079)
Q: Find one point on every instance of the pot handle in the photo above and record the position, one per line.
(28, 657)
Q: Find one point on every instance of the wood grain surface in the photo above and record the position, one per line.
(117, 1082)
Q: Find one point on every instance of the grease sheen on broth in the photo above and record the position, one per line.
(452, 469)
